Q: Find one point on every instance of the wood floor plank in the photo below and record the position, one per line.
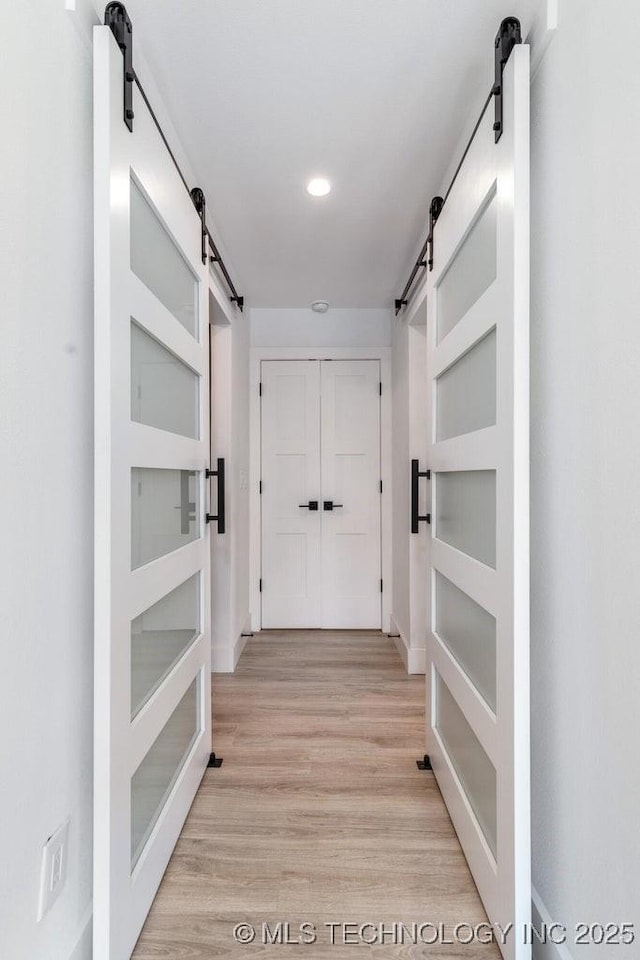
(317, 815)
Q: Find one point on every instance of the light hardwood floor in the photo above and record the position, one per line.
(318, 813)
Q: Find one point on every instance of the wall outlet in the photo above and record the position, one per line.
(53, 869)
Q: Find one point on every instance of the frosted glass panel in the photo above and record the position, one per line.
(165, 512)
(164, 390)
(466, 512)
(157, 261)
(466, 392)
(153, 781)
(472, 271)
(472, 765)
(159, 637)
(470, 634)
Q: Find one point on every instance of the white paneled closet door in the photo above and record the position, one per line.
(320, 483)
(478, 649)
(152, 556)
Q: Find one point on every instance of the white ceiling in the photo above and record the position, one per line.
(372, 94)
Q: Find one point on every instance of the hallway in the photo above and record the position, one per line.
(318, 813)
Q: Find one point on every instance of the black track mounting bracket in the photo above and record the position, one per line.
(507, 37)
(200, 204)
(239, 301)
(117, 19)
(425, 763)
(435, 209)
(214, 761)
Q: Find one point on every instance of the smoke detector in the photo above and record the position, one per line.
(320, 306)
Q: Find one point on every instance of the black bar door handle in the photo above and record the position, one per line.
(220, 516)
(416, 519)
(312, 505)
(330, 505)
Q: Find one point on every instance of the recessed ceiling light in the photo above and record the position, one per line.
(320, 306)
(318, 187)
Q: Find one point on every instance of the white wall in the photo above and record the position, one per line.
(301, 327)
(46, 481)
(46, 417)
(585, 329)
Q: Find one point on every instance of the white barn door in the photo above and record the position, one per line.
(152, 566)
(478, 368)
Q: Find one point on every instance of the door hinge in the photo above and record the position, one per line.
(260, 389)
(380, 389)
(260, 486)
(507, 37)
(381, 585)
(117, 19)
(260, 585)
(381, 486)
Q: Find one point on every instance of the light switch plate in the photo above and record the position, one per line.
(54, 868)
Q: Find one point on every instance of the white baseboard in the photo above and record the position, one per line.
(224, 659)
(418, 661)
(414, 658)
(241, 640)
(541, 917)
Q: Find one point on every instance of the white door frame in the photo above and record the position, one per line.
(257, 355)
